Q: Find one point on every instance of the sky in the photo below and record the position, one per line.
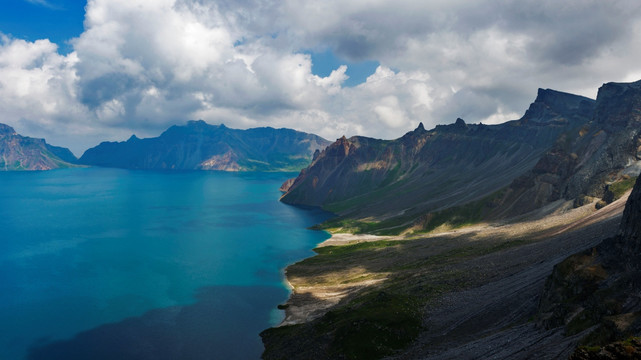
(78, 73)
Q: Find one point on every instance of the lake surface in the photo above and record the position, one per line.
(116, 264)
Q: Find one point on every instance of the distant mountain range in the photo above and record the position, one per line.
(565, 147)
(24, 153)
(200, 146)
(194, 146)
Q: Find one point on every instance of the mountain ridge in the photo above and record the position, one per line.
(19, 152)
(399, 181)
(469, 290)
(200, 146)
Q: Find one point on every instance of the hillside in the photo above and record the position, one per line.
(471, 293)
(468, 279)
(200, 146)
(19, 152)
(565, 147)
(596, 293)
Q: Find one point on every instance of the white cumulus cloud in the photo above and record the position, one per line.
(142, 65)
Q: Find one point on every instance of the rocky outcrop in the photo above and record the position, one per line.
(200, 146)
(598, 292)
(286, 185)
(427, 171)
(630, 349)
(24, 153)
(586, 160)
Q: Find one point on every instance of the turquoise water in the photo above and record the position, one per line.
(106, 263)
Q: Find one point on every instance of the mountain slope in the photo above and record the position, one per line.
(395, 182)
(597, 293)
(201, 146)
(594, 161)
(24, 153)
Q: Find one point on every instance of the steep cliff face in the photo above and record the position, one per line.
(199, 145)
(426, 171)
(24, 153)
(585, 161)
(598, 292)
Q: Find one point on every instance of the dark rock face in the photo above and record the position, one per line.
(24, 153)
(200, 146)
(599, 291)
(583, 161)
(629, 237)
(425, 171)
(550, 102)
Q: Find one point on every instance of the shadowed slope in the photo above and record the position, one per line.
(426, 171)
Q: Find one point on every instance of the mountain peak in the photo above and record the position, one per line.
(133, 138)
(194, 123)
(6, 130)
(550, 103)
(420, 127)
(615, 104)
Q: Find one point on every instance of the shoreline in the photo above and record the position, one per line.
(306, 303)
(309, 301)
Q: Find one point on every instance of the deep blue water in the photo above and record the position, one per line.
(107, 263)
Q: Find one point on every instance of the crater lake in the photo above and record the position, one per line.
(115, 264)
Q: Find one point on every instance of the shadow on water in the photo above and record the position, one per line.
(224, 323)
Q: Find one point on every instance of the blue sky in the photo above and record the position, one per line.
(57, 20)
(323, 63)
(61, 20)
(333, 68)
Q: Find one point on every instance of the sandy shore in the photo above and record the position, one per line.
(346, 239)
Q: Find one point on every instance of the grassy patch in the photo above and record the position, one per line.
(373, 326)
(393, 226)
(620, 187)
(343, 250)
(455, 217)
(459, 216)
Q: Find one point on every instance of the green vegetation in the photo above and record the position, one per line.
(393, 226)
(367, 198)
(459, 216)
(620, 187)
(456, 217)
(347, 250)
(387, 317)
(374, 325)
(392, 175)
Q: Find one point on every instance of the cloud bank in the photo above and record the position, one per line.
(142, 65)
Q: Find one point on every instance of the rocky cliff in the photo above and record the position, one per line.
(200, 146)
(596, 160)
(397, 182)
(597, 293)
(24, 153)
